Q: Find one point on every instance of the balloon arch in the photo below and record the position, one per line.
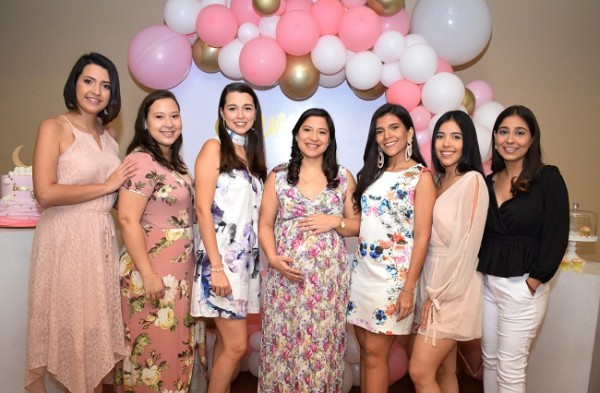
(302, 45)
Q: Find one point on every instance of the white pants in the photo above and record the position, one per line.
(511, 318)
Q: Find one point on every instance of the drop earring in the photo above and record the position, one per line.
(408, 151)
(380, 159)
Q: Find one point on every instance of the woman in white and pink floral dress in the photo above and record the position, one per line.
(156, 213)
(306, 211)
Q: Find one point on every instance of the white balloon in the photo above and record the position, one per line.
(253, 363)
(414, 39)
(329, 55)
(487, 113)
(352, 347)
(229, 59)
(484, 140)
(355, 374)
(390, 73)
(432, 122)
(418, 63)
(268, 26)
(443, 92)
(389, 46)
(363, 70)
(244, 364)
(458, 30)
(254, 341)
(348, 378)
(247, 31)
(180, 15)
(334, 80)
(206, 3)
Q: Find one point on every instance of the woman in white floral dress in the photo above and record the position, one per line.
(396, 193)
(156, 213)
(306, 211)
(230, 171)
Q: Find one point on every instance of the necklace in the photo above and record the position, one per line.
(311, 179)
(239, 140)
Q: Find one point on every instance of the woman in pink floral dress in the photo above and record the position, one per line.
(156, 212)
(306, 211)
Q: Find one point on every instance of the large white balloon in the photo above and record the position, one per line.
(268, 26)
(364, 70)
(458, 30)
(348, 378)
(254, 341)
(418, 63)
(247, 31)
(229, 59)
(390, 73)
(389, 46)
(253, 360)
(329, 55)
(331, 81)
(487, 113)
(484, 140)
(443, 92)
(180, 15)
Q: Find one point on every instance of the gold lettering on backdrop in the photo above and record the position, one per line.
(272, 126)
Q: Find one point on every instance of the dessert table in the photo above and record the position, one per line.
(565, 356)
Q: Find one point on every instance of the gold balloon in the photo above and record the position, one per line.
(205, 57)
(469, 101)
(300, 78)
(386, 7)
(266, 7)
(370, 94)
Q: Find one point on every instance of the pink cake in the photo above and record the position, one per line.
(18, 207)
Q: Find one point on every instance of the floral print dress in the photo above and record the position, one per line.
(304, 326)
(383, 253)
(159, 335)
(235, 211)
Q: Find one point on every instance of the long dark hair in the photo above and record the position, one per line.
(70, 91)
(532, 162)
(470, 159)
(255, 145)
(330, 164)
(370, 172)
(143, 140)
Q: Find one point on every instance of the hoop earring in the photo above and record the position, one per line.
(408, 151)
(380, 159)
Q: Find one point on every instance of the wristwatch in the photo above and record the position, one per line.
(342, 224)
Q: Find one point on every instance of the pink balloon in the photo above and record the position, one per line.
(327, 14)
(424, 141)
(297, 32)
(359, 28)
(216, 25)
(443, 66)
(158, 57)
(420, 117)
(482, 91)
(302, 5)
(404, 93)
(399, 22)
(262, 61)
(397, 363)
(244, 12)
(353, 3)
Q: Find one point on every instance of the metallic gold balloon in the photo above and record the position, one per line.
(266, 7)
(469, 101)
(370, 94)
(300, 78)
(205, 57)
(386, 7)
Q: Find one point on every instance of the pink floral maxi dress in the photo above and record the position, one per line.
(160, 335)
(304, 327)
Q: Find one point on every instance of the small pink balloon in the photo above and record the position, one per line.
(443, 66)
(262, 61)
(424, 142)
(359, 28)
(353, 3)
(244, 12)
(216, 25)
(404, 93)
(399, 22)
(420, 117)
(397, 363)
(159, 58)
(327, 14)
(297, 32)
(302, 5)
(482, 91)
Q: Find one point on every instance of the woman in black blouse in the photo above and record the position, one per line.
(525, 237)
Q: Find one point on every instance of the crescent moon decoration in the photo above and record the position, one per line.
(15, 157)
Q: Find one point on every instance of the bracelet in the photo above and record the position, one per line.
(216, 270)
(407, 291)
(530, 288)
